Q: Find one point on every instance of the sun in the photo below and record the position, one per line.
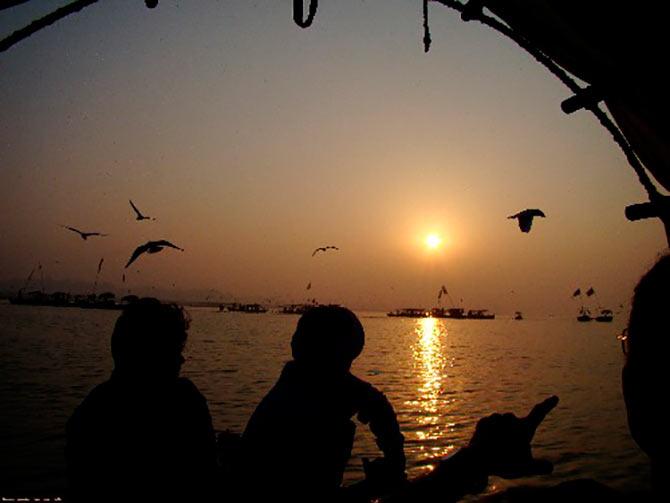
(433, 241)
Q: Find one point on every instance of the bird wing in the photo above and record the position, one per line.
(516, 215)
(525, 222)
(318, 250)
(94, 234)
(536, 213)
(73, 229)
(164, 242)
(138, 251)
(139, 214)
(333, 247)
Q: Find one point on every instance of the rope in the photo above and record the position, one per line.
(563, 76)
(43, 22)
(426, 29)
(298, 12)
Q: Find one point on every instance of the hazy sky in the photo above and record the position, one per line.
(253, 141)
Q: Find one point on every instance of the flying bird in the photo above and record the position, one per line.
(150, 247)
(84, 235)
(525, 218)
(138, 213)
(323, 249)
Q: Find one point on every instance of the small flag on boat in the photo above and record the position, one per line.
(590, 291)
(577, 292)
(100, 264)
(309, 285)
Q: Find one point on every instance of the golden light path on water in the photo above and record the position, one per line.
(430, 406)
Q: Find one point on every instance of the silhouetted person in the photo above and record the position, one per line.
(146, 433)
(645, 375)
(299, 438)
(645, 382)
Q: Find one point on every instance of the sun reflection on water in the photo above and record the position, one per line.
(431, 438)
(429, 363)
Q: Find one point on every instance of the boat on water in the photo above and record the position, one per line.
(243, 308)
(295, 308)
(480, 314)
(302, 308)
(409, 312)
(452, 312)
(518, 315)
(584, 315)
(605, 316)
(106, 300)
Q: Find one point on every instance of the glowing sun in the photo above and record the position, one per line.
(433, 241)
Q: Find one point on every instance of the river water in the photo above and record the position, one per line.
(440, 375)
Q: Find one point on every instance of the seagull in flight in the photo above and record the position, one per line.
(151, 247)
(323, 249)
(138, 213)
(525, 218)
(84, 235)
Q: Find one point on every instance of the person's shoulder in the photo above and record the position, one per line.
(188, 391)
(92, 405)
(361, 385)
(98, 395)
(364, 391)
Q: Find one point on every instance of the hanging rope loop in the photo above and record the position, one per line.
(298, 12)
(426, 29)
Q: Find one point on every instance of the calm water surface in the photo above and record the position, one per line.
(440, 375)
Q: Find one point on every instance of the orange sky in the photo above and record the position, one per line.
(253, 142)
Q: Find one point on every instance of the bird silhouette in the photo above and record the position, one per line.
(324, 248)
(150, 247)
(525, 218)
(84, 235)
(138, 213)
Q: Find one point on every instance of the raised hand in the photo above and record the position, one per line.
(501, 442)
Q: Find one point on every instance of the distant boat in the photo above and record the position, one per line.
(584, 315)
(105, 300)
(480, 314)
(518, 315)
(243, 308)
(409, 312)
(606, 316)
(295, 308)
(452, 312)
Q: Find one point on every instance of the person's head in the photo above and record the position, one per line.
(148, 340)
(646, 381)
(328, 338)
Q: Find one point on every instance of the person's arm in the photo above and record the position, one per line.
(500, 445)
(376, 411)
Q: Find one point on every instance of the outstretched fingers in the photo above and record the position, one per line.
(539, 412)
